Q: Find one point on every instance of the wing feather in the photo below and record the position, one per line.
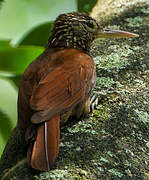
(61, 89)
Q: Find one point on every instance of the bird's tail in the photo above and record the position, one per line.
(43, 151)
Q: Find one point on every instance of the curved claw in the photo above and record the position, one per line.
(93, 102)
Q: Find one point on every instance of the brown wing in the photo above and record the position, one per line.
(67, 84)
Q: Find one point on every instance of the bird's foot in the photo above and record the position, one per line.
(94, 102)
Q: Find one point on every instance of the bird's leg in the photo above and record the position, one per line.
(93, 102)
(85, 107)
(64, 117)
(80, 110)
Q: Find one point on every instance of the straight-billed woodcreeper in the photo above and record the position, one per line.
(57, 85)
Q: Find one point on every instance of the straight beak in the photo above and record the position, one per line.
(107, 33)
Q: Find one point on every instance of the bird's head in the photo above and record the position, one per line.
(78, 30)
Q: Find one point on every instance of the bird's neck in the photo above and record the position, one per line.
(68, 40)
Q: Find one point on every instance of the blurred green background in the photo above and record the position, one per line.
(24, 29)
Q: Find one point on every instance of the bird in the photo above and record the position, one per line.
(57, 85)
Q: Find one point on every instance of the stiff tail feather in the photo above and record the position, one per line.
(43, 151)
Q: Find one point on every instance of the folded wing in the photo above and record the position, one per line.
(63, 87)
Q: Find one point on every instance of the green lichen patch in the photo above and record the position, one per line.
(115, 173)
(114, 60)
(145, 10)
(142, 116)
(134, 22)
(106, 83)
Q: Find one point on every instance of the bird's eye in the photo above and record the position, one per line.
(90, 24)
